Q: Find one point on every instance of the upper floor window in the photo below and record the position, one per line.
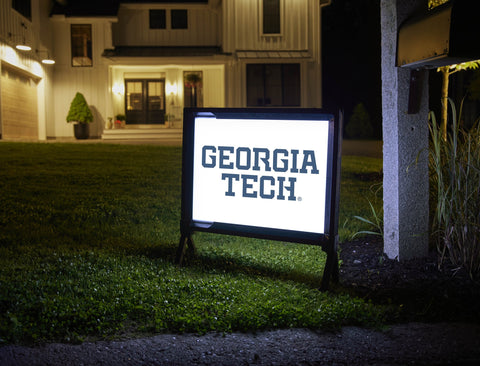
(271, 16)
(24, 7)
(179, 19)
(81, 43)
(158, 19)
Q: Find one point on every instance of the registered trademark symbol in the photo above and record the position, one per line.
(299, 199)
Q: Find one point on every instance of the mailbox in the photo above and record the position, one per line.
(446, 35)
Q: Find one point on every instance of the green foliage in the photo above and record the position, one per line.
(455, 166)
(87, 245)
(79, 110)
(359, 126)
(193, 79)
(360, 195)
(375, 222)
(434, 3)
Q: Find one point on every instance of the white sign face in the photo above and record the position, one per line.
(264, 173)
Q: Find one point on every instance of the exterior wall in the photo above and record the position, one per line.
(242, 25)
(301, 31)
(133, 29)
(36, 33)
(91, 81)
(213, 85)
(231, 24)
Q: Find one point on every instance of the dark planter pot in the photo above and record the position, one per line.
(81, 131)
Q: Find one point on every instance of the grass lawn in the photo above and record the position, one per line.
(88, 234)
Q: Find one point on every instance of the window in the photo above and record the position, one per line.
(24, 7)
(273, 85)
(81, 45)
(158, 19)
(179, 19)
(271, 17)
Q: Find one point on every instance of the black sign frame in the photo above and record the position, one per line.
(328, 240)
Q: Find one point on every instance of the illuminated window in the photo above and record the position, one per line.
(158, 19)
(179, 19)
(81, 45)
(271, 17)
(273, 85)
(24, 7)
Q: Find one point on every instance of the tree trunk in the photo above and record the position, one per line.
(444, 98)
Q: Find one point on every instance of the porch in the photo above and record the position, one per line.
(144, 133)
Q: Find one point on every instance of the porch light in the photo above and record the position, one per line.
(118, 89)
(172, 89)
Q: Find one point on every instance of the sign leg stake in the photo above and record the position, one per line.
(185, 241)
(331, 271)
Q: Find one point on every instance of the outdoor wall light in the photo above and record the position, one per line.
(47, 60)
(172, 89)
(118, 89)
(21, 44)
(20, 41)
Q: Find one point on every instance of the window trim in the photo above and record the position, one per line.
(71, 44)
(282, 19)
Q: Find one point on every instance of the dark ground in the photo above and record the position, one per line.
(439, 325)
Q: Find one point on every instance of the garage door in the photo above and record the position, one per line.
(19, 105)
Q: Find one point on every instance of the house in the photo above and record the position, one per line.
(147, 60)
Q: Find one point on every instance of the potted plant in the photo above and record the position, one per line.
(81, 115)
(120, 120)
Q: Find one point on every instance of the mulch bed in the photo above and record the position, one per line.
(424, 291)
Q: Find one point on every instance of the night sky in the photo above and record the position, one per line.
(351, 58)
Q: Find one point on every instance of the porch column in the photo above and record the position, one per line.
(405, 137)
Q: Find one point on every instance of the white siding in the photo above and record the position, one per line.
(92, 81)
(133, 28)
(37, 33)
(214, 87)
(242, 26)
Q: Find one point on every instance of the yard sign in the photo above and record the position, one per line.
(264, 173)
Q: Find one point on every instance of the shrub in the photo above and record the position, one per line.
(455, 166)
(79, 110)
(359, 125)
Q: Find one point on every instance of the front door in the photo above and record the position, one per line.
(145, 101)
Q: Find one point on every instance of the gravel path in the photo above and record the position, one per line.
(405, 344)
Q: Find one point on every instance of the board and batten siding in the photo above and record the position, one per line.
(91, 81)
(242, 26)
(29, 104)
(133, 28)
